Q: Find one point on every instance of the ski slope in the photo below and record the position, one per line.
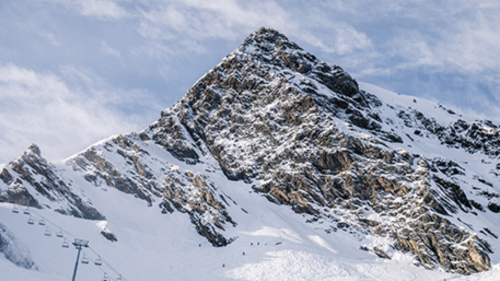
(271, 243)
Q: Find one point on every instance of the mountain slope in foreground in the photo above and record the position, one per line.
(273, 166)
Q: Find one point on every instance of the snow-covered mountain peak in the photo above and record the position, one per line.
(273, 125)
(266, 36)
(35, 149)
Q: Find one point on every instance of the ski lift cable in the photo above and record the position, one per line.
(109, 278)
(39, 218)
(98, 256)
(35, 215)
(50, 229)
(104, 262)
(57, 227)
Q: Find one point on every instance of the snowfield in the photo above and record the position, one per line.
(329, 182)
(271, 243)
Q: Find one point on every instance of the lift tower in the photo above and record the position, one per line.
(79, 244)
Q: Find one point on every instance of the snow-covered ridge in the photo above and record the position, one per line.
(401, 176)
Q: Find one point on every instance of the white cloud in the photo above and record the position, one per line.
(101, 9)
(205, 19)
(41, 108)
(196, 20)
(97, 9)
(445, 36)
(473, 46)
(166, 45)
(49, 37)
(468, 47)
(110, 50)
(342, 39)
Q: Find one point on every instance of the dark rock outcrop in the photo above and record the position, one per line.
(31, 178)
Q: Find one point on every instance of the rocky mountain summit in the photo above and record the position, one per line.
(303, 133)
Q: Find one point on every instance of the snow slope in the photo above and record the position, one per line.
(166, 247)
(276, 243)
(274, 166)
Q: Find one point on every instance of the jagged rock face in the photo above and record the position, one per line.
(32, 171)
(303, 134)
(148, 177)
(477, 136)
(272, 114)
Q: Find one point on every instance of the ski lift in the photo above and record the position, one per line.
(105, 277)
(31, 220)
(47, 232)
(65, 243)
(26, 211)
(60, 234)
(41, 222)
(15, 210)
(85, 260)
(98, 261)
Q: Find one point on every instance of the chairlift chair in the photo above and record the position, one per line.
(85, 260)
(98, 261)
(41, 222)
(105, 277)
(47, 232)
(119, 278)
(31, 220)
(65, 243)
(60, 234)
(15, 210)
(26, 211)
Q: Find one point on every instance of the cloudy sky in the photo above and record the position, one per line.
(73, 72)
